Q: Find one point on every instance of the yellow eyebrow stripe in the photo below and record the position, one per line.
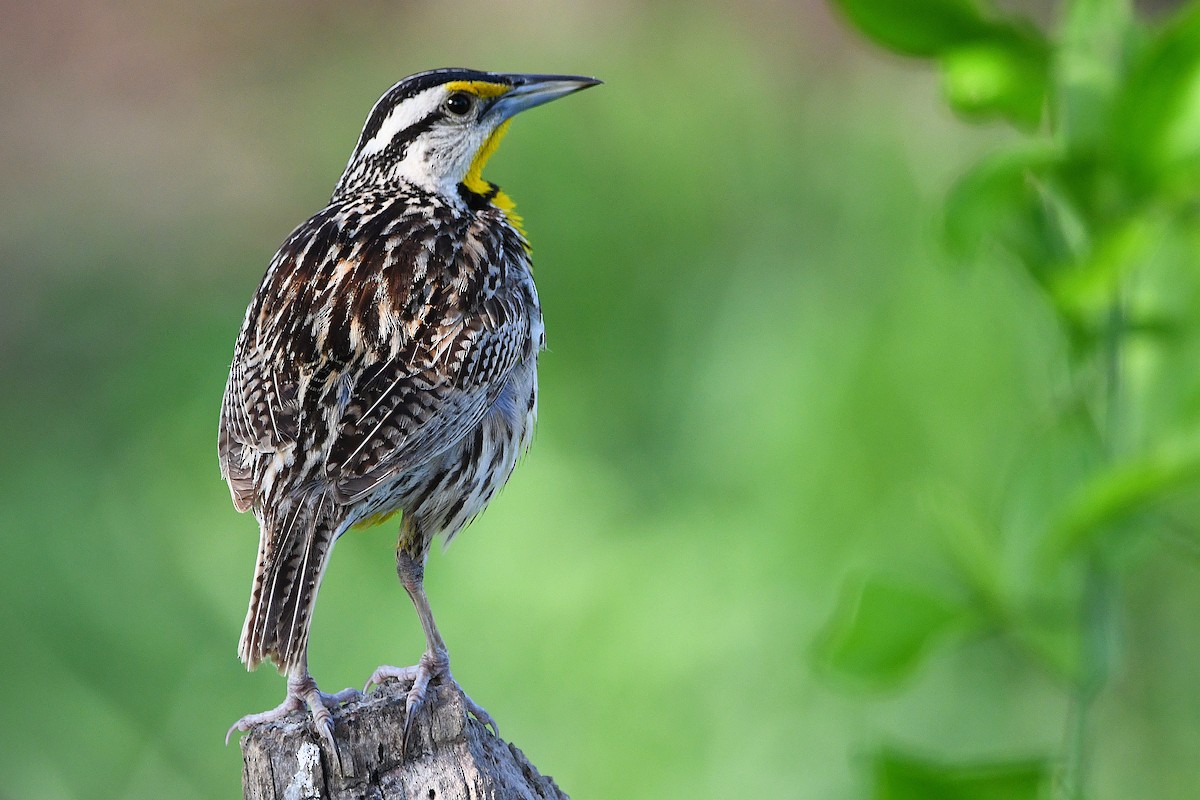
(478, 88)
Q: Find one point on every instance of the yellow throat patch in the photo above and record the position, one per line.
(474, 181)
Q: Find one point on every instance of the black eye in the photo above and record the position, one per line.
(459, 103)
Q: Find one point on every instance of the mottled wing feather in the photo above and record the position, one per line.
(396, 421)
(258, 418)
(359, 357)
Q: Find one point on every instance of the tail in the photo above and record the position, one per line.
(295, 541)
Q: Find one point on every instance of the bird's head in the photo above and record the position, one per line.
(437, 129)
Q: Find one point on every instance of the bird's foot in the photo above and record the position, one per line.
(302, 693)
(432, 666)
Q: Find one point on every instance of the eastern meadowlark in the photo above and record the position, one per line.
(387, 363)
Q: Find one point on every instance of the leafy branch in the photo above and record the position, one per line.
(1100, 179)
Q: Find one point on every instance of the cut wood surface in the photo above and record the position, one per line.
(451, 755)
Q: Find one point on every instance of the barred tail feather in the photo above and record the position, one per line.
(295, 541)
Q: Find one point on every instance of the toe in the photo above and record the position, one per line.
(386, 673)
(413, 703)
(344, 696)
(280, 711)
(416, 694)
(477, 710)
(478, 713)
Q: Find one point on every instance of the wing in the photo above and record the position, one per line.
(377, 339)
(236, 448)
(399, 418)
(259, 411)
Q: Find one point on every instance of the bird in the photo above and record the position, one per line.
(386, 366)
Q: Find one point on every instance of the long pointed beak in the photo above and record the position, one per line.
(532, 90)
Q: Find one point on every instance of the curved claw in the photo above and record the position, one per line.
(405, 730)
(319, 705)
(324, 727)
(290, 703)
(478, 713)
(303, 694)
(419, 677)
(415, 699)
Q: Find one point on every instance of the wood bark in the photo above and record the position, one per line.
(451, 755)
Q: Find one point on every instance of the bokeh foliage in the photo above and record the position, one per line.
(1096, 202)
(773, 396)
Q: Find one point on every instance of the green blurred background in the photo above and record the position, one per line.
(765, 381)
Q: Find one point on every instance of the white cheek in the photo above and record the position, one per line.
(419, 164)
(439, 160)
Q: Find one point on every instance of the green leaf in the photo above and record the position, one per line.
(1005, 200)
(1049, 632)
(971, 547)
(1086, 291)
(1122, 491)
(1089, 61)
(1006, 75)
(1156, 118)
(917, 27)
(881, 629)
(900, 777)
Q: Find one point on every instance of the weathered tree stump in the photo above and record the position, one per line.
(451, 756)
